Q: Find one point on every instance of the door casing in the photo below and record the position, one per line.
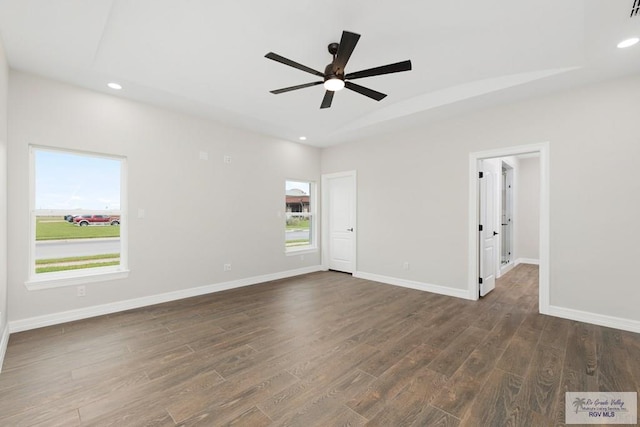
(542, 149)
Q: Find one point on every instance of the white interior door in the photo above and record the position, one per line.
(339, 204)
(491, 173)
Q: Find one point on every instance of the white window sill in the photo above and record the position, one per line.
(64, 278)
(301, 250)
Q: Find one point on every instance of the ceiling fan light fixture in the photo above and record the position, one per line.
(628, 42)
(334, 84)
(114, 86)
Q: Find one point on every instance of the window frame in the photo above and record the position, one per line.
(37, 281)
(313, 232)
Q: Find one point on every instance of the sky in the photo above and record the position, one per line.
(73, 181)
(304, 186)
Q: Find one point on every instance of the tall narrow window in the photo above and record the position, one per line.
(300, 218)
(76, 214)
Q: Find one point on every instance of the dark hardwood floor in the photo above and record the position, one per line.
(323, 349)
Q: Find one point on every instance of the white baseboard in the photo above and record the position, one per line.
(595, 319)
(505, 269)
(4, 342)
(565, 313)
(527, 261)
(427, 287)
(99, 310)
(83, 313)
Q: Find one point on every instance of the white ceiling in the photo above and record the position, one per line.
(207, 57)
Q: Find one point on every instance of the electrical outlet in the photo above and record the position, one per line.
(227, 159)
(405, 265)
(82, 291)
(227, 267)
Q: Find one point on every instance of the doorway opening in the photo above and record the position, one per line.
(480, 238)
(506, 218)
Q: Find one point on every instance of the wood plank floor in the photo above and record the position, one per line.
(324, 349)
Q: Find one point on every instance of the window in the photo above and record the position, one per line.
(77, 218)
(300, 217)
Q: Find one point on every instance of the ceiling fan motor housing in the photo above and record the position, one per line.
(330, 73)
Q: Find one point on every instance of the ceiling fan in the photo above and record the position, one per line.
(334, 77)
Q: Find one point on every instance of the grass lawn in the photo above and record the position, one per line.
(75, 259)
(76, 263)
(302, 224)
(52, 268)
(55, 228)
(297, 242)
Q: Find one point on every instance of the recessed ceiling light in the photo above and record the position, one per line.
(628, 42)
(114, 86)
(303, 138)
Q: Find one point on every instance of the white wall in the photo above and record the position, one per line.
(199, 214)
(527, 226)
(413, 194)
(4, 78)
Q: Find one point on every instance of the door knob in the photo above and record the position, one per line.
(495, 234)
(350, 229)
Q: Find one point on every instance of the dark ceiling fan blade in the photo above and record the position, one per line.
(293, 64)
(326, 101)
(365, 91)
(290, 88)
(347, 44)
(377, 71)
